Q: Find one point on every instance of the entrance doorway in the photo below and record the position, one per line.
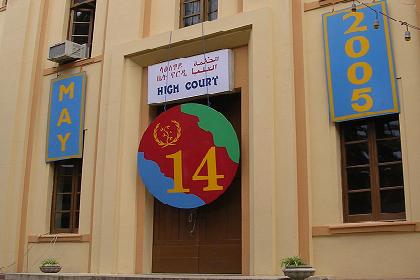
(206, 239)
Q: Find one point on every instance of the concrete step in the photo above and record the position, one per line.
(90, 276)
(82, 276)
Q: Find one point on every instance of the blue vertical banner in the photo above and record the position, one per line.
(359, 63)
(66, 117)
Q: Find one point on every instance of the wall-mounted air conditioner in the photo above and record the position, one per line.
(67, 51)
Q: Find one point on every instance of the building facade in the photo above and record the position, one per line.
(342, 195)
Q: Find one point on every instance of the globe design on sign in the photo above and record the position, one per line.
(188, 156)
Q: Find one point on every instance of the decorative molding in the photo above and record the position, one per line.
(301, 134)
(61, 237)
(368, 227)
(321, 4)
(3, 8)
(75, 64)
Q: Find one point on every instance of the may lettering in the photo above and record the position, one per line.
(64, 114)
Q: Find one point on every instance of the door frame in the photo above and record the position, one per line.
(144, 232)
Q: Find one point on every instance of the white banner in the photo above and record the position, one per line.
(192, 76)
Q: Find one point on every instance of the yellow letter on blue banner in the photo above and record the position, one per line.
(66, 117)
(359, 63)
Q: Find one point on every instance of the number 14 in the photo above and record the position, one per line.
(210, 159)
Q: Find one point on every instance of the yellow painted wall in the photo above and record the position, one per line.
(114, 202)
(62, 252)
(357, 255)
(264, 258)
(164, 19)
(375, 255)
(40, 193)
(21, 24)
(2, 18)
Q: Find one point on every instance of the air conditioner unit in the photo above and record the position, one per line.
(67, 51)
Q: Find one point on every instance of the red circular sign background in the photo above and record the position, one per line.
(188, 156)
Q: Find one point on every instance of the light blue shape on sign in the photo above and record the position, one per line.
(158, 185)
(66, 118)
(339, 28)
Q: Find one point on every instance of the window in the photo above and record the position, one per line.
(373, 184)
(66, 196)
(81, 22)
(196, 11)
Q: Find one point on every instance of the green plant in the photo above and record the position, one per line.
(292, 261)
(49, 262)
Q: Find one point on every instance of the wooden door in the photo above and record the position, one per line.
(206, 239)
(175, 240)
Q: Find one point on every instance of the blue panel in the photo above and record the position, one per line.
(359, 64)
(66, 117)
(158, 185)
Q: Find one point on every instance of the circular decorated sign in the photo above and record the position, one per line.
(188, 156)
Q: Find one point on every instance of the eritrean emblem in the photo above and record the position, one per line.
(167, 135)
(188, 156)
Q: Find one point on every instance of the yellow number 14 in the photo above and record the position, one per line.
(211, 178)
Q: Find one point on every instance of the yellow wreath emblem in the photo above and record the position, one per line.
(167, 133)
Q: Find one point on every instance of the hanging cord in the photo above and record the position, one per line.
(203, 42)
(167, 69)
(51, 245)
(4, 269)
(192, 219)
(388, 16)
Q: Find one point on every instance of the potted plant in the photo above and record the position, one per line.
(295, 268)
(50, 265)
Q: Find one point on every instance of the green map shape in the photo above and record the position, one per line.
(211, 120)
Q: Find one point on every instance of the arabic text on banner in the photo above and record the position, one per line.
(192, 76)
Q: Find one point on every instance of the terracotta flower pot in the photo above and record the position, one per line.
(50, 268)
(299, 272)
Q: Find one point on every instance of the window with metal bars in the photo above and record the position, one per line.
(196, 11)
(66, 196)
(82, 17)
(373, 182)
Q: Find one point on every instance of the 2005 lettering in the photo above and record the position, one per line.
(361, 100)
